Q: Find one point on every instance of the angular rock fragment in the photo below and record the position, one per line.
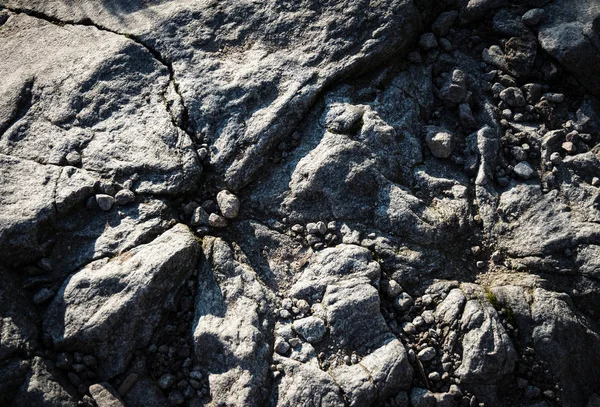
(111, 307)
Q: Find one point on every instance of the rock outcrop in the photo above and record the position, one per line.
(296, 203)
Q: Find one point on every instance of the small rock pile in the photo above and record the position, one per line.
(203, 216)
(171, 356)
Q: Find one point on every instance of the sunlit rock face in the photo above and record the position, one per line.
(299, 203)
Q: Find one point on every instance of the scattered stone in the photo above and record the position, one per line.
(105, 202)
(519, 153)
(439, 141)
(455, 90)
(176, 398)
(465, 114)
(403, 302)
(217, 221)
(426, 354)
(64, 361)
(127, 383)
(281, 346)
(554, 97)
(43, 296)
(229, 204)
(196, 375)
(524, 170)
(533, 17)
(428, 41)
(124, 196)
(513, 97)
(569, 147)
(494, 56)
(555, 158)
(316, 228)
(414, 57)
(533, 92)
(312, 329)
(421, 397)
(73, 158)
(520, 53)
(455, 391)
(441, 26)
(392, 288)
(166, 381)
(445, 45)
(532, 392)
(409, 328)
(200, 217)
(90, 360)
(105, 396)
(434, 377)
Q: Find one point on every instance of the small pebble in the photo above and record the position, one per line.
(428, 41)
(105, 202)
(166, 381)
(124, 196)
(229, 204)
(217, 221)
(73, 158)
(524, 170)
(533, 17)
(426, 354)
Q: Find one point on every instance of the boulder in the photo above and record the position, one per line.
(112, 307)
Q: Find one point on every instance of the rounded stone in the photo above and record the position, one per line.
(73, 158)
(166, 381)
(426, 354)
(229, 204)
(105, 202)
(513, 97)
(428, 41)
(311, 329)
(124, 196)
(440, 143)
(217, 221)
(524, 170)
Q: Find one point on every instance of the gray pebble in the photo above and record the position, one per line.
(524, 170)
(73, 158)
(428, 41)
(105, 202)
(281, 346)
(166, 381)
(533, 17)
(513, 97)
(403, 302)
(426, 354)
(124, 196)
(217, 221)
(228, 203)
